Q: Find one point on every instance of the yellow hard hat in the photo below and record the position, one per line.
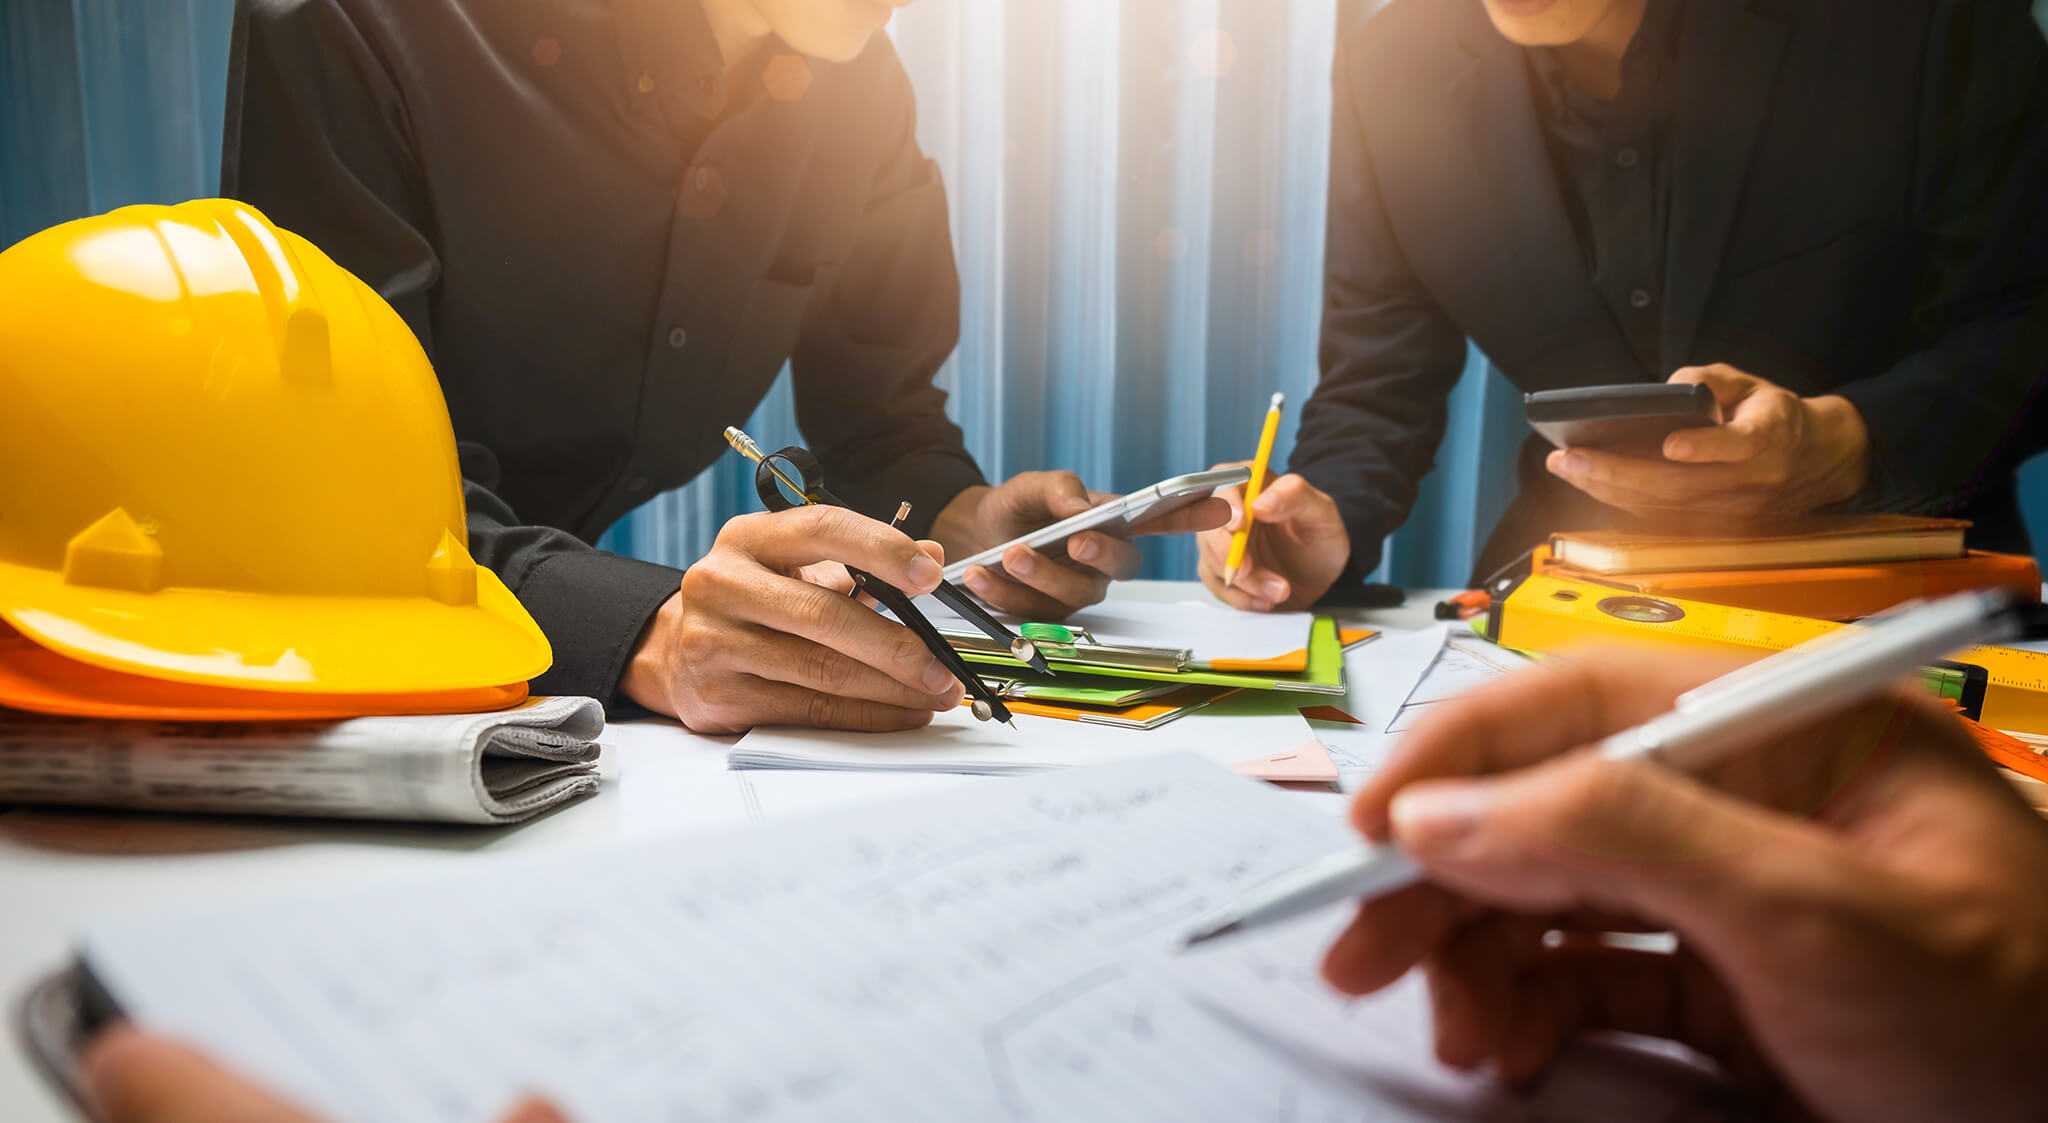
(224, 460)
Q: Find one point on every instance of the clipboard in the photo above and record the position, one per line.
(1322, 663)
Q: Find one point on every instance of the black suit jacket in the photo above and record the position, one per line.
(1860, 207)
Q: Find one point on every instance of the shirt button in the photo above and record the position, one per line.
(708, 85)
(1640, 298)
(677, 337)
(637, 485)
(646, 84)
(1628, 157)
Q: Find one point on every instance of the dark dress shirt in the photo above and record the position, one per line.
(610, 250)
(1854, 202)
(1613, 174)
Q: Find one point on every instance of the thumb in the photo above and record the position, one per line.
(1729, 385)
(1586, 832)
(1284, 500)
(1065, 495)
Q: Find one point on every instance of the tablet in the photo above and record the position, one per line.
(1632, 419)
(1115, 518)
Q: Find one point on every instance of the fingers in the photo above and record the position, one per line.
(1530, 717)
(1233, 503)
(1729, 384)
(1638, 484)
(1585, 832)
(1584, 986)
(1112, 557)
(131, 1077)
(787, 541)
(1213, 552)
(1214, 555)
(1064, 495)
(777, 703)
(803, 611)
(1389, 936)
(1209, 514)
(1037, 587)
(800, 662)
(1760, 418)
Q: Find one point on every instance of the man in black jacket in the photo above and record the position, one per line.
(1828, 211)
(611, 223)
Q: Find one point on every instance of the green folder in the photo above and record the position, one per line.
(1325, 673)
(1079, 690)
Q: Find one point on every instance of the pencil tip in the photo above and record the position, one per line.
(1197, 939)
(1230, 577)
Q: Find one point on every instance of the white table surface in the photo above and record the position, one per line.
(60, 868)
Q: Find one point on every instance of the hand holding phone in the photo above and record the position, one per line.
(1632, 420)
(1715, 441)
(1119, 517)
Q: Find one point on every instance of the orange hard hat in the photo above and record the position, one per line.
(39, 680)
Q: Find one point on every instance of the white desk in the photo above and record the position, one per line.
(58, 868)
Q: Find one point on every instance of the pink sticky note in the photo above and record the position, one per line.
(1307, 763)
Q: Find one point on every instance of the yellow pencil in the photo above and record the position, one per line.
(1251, 491)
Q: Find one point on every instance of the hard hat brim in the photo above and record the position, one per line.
(38, 680)
(282, 643)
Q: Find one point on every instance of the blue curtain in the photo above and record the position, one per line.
(1138, 189)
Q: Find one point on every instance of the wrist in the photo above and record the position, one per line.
(1840, 446)
(646, 681)
(955, 527)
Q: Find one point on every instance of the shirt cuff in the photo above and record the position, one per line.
(594, 607)
(1363, 523)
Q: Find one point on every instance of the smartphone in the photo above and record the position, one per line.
(1116, 517)
(1631, 419)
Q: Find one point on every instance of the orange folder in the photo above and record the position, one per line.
(1849, 592)
(1294, 662)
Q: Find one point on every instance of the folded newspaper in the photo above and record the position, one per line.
(465, 768)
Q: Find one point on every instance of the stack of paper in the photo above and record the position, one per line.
(1228, 734)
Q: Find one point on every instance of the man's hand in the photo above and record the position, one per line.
(131, 1077)
(1031, 583)
(1298, 547)
(1775, 455)
(1862, 929)
(764, 633)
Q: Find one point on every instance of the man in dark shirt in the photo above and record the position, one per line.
(611, 223)
(1827, 211)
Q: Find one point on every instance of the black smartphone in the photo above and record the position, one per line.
(1631, 419)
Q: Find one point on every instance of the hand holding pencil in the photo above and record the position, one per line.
(1284, 545)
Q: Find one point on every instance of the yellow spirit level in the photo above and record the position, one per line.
(2002, 687)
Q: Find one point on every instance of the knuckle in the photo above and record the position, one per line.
(820, 667)
(815, 615)
(824, 711)
(1600, 789)
(741, 530)
(909, 653)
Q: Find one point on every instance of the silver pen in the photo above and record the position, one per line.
(1734, 713)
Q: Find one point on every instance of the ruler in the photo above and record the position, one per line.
(2001, 687)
